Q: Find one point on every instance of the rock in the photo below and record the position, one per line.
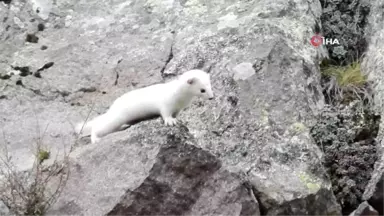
(243, 71)
(373, 65)
(3, 209)
(42, 8)
(249, 152)
(172, 176)
(374, 192)
(265, 133)
(364, 209)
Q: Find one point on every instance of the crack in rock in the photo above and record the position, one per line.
(117, 72)
(262, 206)
(5, 76)
(46, 66)
(35, 91)
(6, 1)
(62, 93)
(170, 57)
(24, 71)
(87, 90)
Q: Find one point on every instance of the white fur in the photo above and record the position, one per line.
(165, 100)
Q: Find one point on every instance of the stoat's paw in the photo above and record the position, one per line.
(170, 121)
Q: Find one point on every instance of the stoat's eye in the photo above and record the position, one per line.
(202, 90)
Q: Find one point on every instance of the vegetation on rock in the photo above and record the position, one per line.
(346, 131)
(344, 84)
(345, 21)
(34, 191)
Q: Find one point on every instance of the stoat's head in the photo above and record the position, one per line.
(198, 83)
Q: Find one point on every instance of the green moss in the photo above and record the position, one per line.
(344, 84)
(43, 155)
(311, 183)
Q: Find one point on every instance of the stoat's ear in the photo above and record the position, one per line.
(191, 81)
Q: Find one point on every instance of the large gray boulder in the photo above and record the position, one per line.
(249, 152)
(364, 209)
(159, 172)
(374, 65)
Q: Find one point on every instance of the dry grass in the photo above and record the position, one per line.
(343, 84)
(34, 191)
(346, 76)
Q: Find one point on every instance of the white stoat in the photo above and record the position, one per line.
(165, 100)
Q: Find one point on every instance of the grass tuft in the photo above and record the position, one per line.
(346, 76)
(344, 84)
(43, 155)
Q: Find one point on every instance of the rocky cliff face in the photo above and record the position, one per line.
(374, 63)
(248, 152)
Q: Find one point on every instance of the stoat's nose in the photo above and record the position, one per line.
(211, 98)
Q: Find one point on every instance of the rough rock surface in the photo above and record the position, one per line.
(3, 209)
(374, 65)
(251, 152)
(171, 177)
(364, 209)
